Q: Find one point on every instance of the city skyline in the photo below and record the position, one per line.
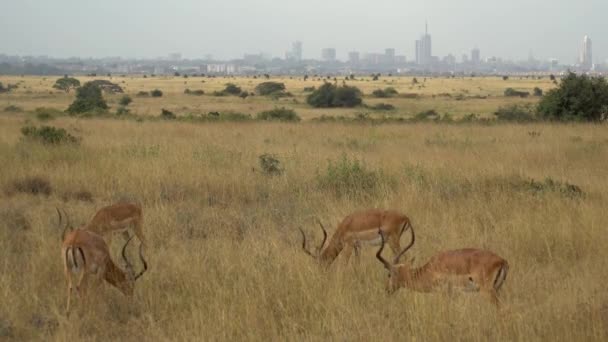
(227, 31)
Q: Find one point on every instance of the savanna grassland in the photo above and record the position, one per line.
(224, 254)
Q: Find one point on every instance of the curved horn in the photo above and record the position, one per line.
(324, 236)
(67, 226)
(384, 262)
(143, 261)
(304, 243)
(396, 260)
(123, 253)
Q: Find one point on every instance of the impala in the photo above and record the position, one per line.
(86, 256)
(467, 269)
(118, 218)
(360, 228)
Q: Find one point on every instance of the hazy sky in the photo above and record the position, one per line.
(230, 28)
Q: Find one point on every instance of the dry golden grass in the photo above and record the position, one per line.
(224, 254)
(37, 92)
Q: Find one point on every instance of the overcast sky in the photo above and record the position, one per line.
(230, 28)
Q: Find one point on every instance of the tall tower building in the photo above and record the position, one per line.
(296, 50)
(475, 56)
(328, 55)
(353, 57)
(423, 48)
(586, 57)
(389, 56)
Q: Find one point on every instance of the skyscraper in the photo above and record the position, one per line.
(328, 54)
(475, 56)
(586, 57)
(296, 50)
(353, 57)
(389, 56)
(423, 48)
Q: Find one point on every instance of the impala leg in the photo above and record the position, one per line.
(348, 251)
(492, 296)
(357, 248)
(69, 281)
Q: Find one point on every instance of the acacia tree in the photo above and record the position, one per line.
(88, 99)
(66, 84)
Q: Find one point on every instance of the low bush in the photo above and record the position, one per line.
(269, 88)
(329, 95)
(13, 109)
(515, 113)
(196, 92)
(125, 100)
(512, 92)
(387, 92)
(45, 114)
(48, 135)
(143, 93)
(167, 115)
(383, 106)
(156, 93)
(279, 114)
(270, 165)
(32, 185)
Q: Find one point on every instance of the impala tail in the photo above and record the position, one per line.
(74, 259)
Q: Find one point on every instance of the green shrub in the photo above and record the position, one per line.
(387, 92)
(43, 113)
(270, 165)
(32, 185)
(122, 110)
(279, 114)
(167, 115)
(48, 135)
(125, 100)
(88, 99)
(13, 109)
(269, 88)
(538, 91)
(516, 113)
(156, 93)
(513, 92)
(232, 89)
(329, 95)
(582, 98)
(197, 92)
(383, 106)
(426, 115)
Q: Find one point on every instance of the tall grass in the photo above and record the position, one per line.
(224, 255)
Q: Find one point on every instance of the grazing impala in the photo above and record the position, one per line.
(463, 269)
(86, 256)
(360, 228)
(118, 218)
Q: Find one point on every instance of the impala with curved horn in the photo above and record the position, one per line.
(467, 269)
(358, 229)
(85, 255)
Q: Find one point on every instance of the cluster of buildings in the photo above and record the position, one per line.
(424, 62)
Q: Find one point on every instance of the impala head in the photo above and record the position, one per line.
(318, 251)
(397, 273)
(127, 285)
